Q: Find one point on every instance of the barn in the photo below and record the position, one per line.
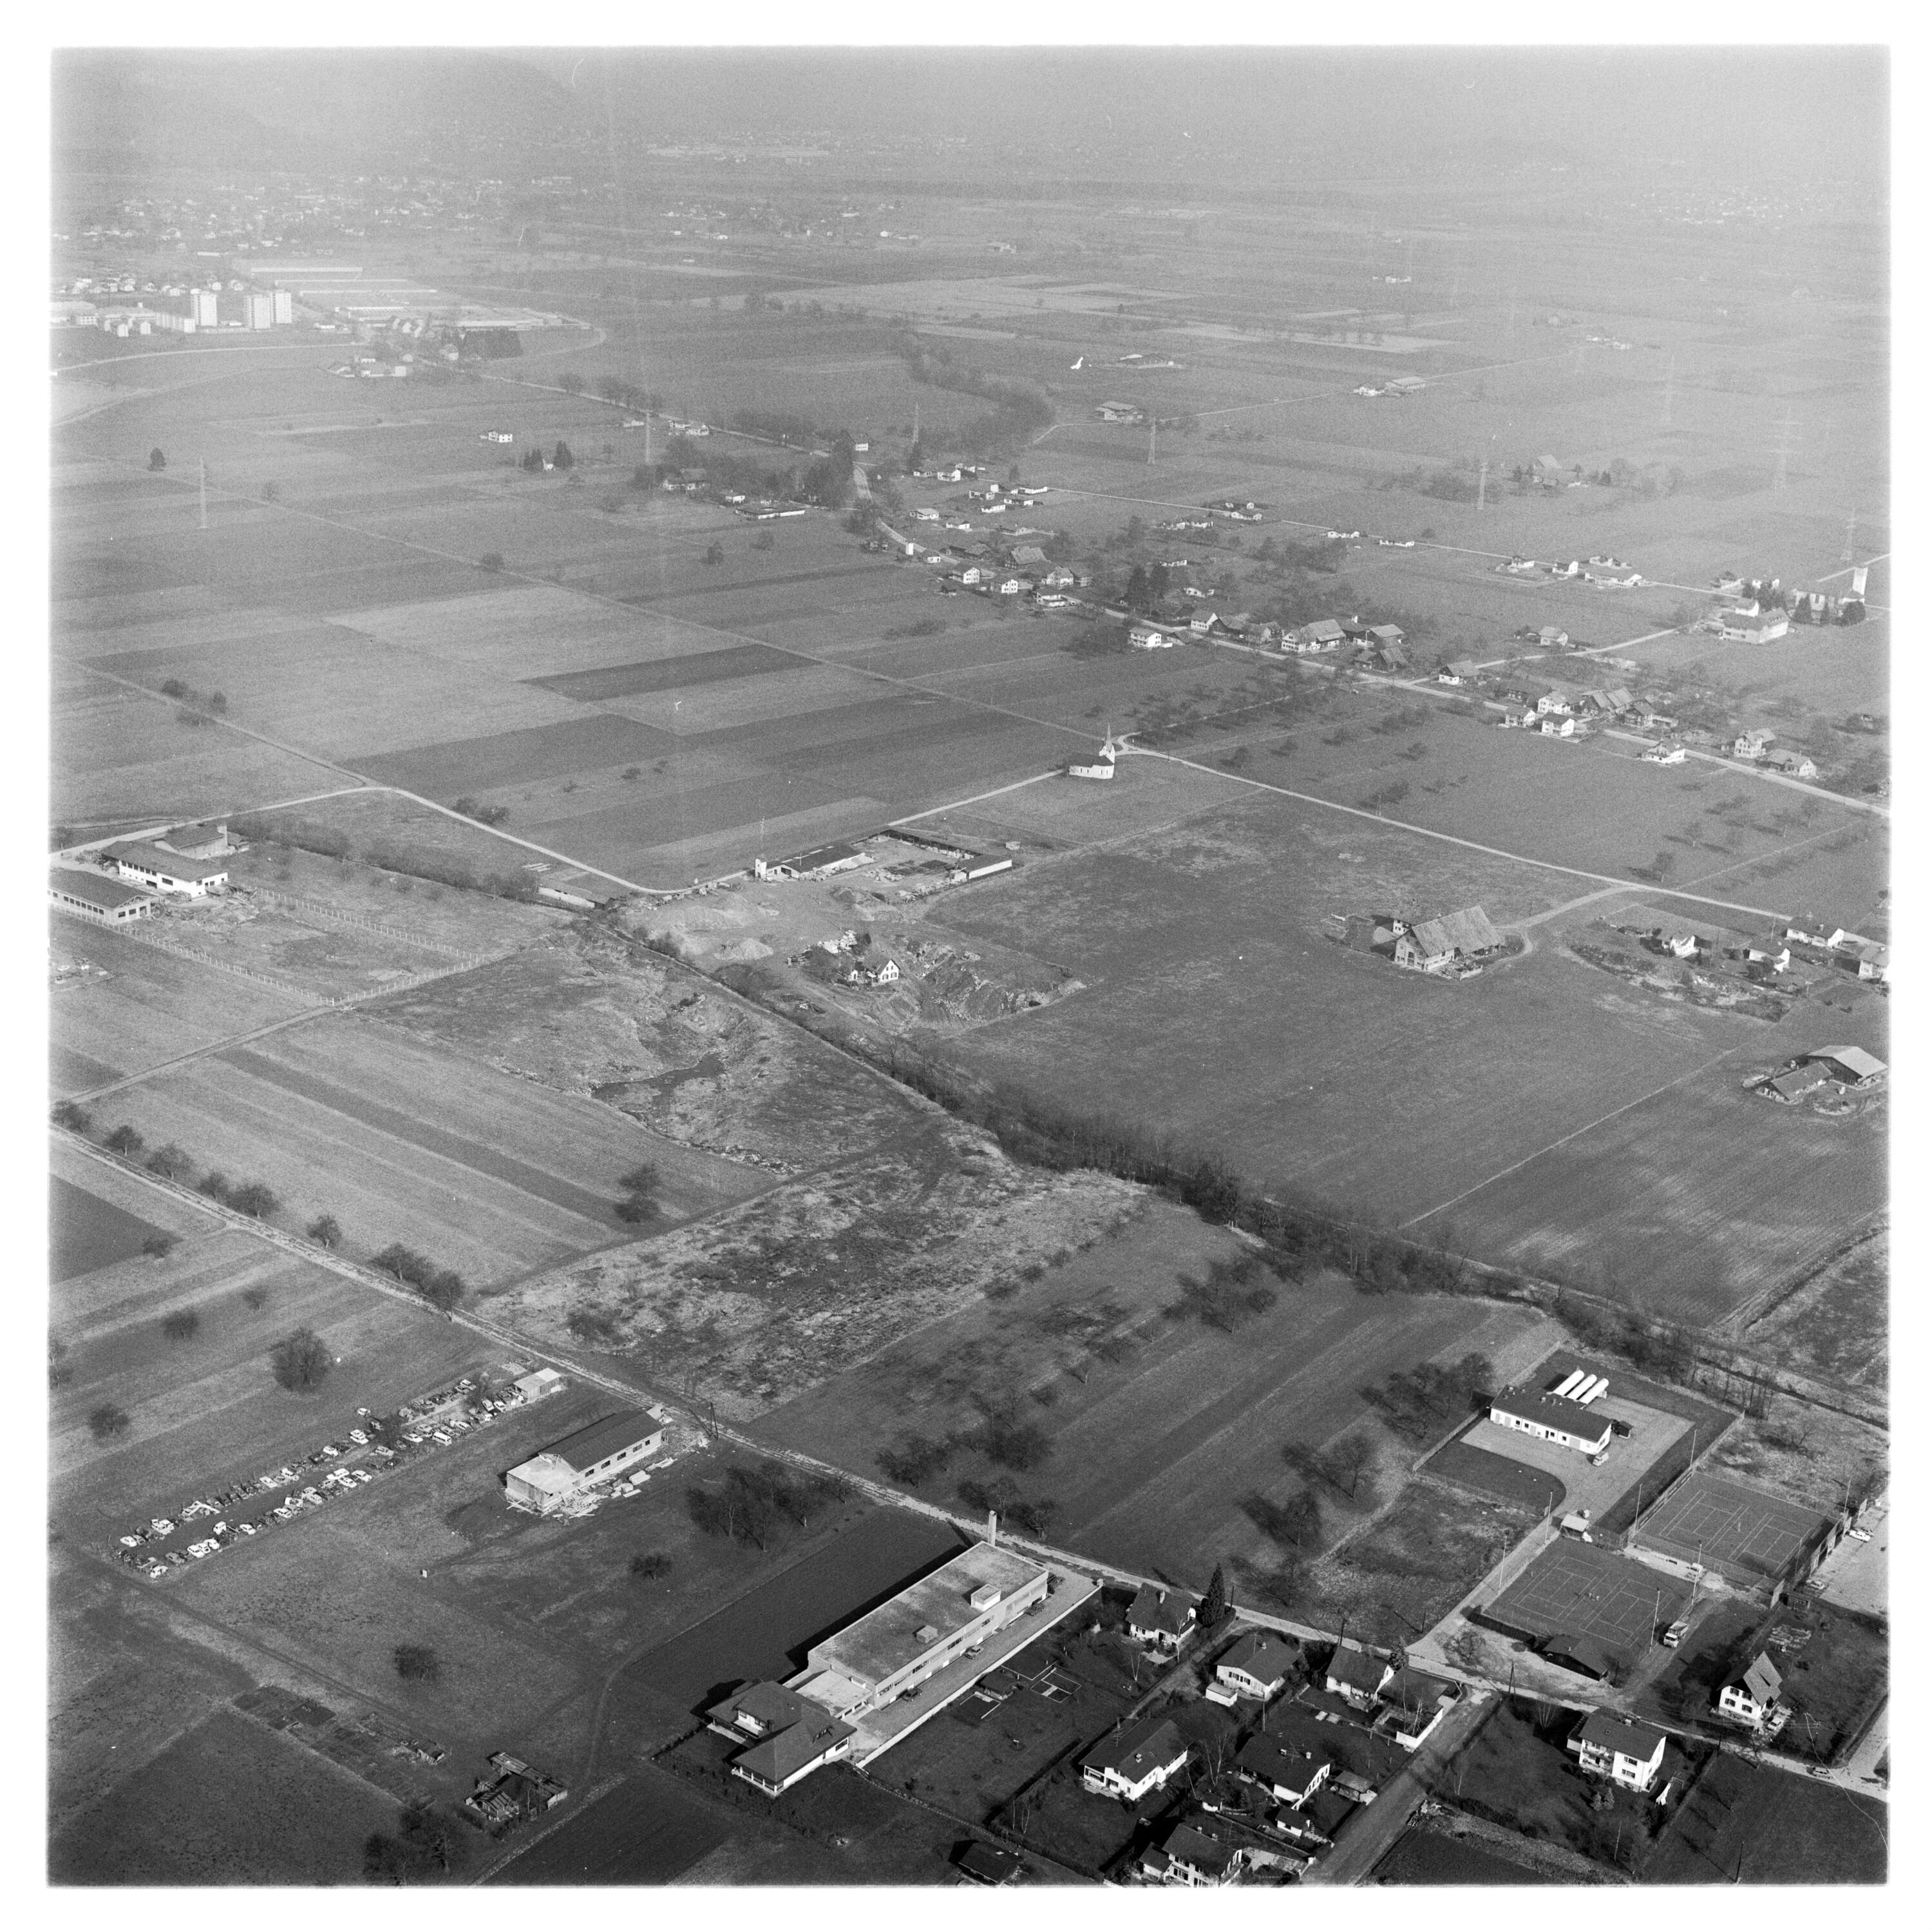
(1435, 944)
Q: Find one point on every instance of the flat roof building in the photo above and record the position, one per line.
(922, 1629)
(1568, 1423)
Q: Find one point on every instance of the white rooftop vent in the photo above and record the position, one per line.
(985, 1595)
(1570, 1384)
(927, 1633)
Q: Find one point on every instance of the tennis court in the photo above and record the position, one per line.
(1575, 1588)
(1746, 1535)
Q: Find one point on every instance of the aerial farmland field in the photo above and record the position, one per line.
(1161, 1426)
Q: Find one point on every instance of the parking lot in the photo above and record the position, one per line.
(1652, 1433)
(1856, 1573)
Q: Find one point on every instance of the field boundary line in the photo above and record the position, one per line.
(176, 949)
(1635, 886)
(1741, 1319)
(1682, 1079)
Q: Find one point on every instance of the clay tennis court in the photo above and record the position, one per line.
(1745, 1534)
(1575, 1588)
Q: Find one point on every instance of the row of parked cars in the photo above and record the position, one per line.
(348, 1463)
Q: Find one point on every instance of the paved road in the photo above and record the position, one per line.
(1368, 1837)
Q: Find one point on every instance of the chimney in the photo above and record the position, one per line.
(221, 832)
(992, 1528)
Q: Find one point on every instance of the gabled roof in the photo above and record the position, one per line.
(155, 858)
(1358, 1669)
(1168, 1611)
(1153, 1743)
(1761, 1679)
(1584, 1653)
(1853, 1059)
(602, 1438)
(1282, 1762)
(1468, 930)
(1265, 1656)
(1626, 1738)
(1185, 1843)
(95, 888)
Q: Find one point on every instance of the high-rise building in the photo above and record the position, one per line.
(203, 304)
(285, 307)
(261, 311)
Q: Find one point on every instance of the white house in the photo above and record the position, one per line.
(1625, 1752)
(1289, 1760)
(1753, 625)
(1147, 637)
(1161, 1618)
(1664, 754)
(1568, 1423)
(1358, 1676)
(1257, 1666)
(1753, 1697)
(1137, 1760)
(1188, 1857)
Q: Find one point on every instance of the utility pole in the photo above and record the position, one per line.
(1786, 442)
(204, 493)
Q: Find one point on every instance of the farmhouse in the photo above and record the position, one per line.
(1752, 1698)
(1792, 763)
(1568, 1423)
(1752, 743)
(1358, 1676)
(1160, 1618)
(1311, 638)
(1847, 1065)
(1563, 726)
(1664, 754)
(1625, 1752)
(1150, 637)
(1435, 944)
(1258, 1665)
(1137, 1759)
(1752, 625)
(514, 1793)
(584, 1460)
(163, 871)
(105, 900)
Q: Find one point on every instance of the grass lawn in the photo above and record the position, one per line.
(1514, 1771)
(229, 1803)
(1741, 1824)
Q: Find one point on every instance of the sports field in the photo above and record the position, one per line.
(1574, 1588)
(1743, 1533)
